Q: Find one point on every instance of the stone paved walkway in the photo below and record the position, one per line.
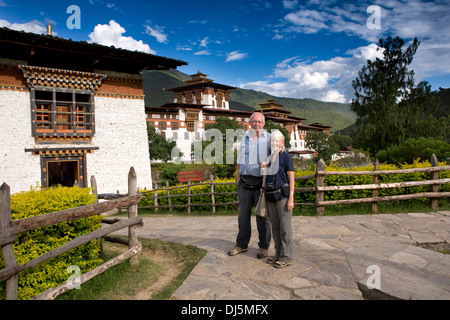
(334, 258)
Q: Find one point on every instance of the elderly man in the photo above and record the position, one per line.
(253, 150)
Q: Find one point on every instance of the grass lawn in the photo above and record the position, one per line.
(163, 266)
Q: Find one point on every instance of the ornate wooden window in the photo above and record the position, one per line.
(189, 97)
(62, 112)
(191, 116)
(190, 126)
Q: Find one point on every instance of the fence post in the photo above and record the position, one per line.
(132, 213)
(155, 196)
(94, 187)
(7, 249)
(169, 201)
(189, 195)
(434, 187)
(375, 191)
(95, 192)
(320, 182)
(213, 200)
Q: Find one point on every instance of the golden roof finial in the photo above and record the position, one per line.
(49, 29)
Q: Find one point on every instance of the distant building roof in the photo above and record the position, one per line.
(229, 111)
(319, 125)
(173, 106)
(199, 80)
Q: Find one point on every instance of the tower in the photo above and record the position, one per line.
(204, 91)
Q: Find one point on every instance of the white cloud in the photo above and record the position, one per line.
(198, 22)
(333, 96)
(202, 53)
(307, 21)
(183, 48)
(261, 5)
(235, 56)
(426, 20)
(157, 32)
(407, 19)
(325, 80)
(204, 42)
(431, 59)
(237, 29)
(112, 35)
(288, 4)
(32, 26)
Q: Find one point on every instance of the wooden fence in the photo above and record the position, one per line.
(8, 230)
(433, 195)
(320, 189)
(188, 195)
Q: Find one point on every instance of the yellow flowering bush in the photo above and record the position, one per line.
(34, 243)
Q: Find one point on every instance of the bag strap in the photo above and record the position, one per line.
(264, 177)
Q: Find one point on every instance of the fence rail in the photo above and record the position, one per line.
(9, 229)
(319, 189)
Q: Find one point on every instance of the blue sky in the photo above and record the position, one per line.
(288, 48)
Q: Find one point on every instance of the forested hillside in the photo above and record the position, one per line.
(337, 115)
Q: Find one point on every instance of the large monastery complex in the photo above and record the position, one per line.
(202, 101)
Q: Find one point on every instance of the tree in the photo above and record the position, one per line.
(389, 107)
(224, 169)
(342, 141)
(321, 143)
(158, 146)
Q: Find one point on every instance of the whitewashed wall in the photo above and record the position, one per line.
(121, 135)
(19, 169)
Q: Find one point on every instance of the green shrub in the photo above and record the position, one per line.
(413, 149)
(34, 243)
(170, 173)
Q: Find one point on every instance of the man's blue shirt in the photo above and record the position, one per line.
(252, 154)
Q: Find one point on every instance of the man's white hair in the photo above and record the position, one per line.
(255, 113)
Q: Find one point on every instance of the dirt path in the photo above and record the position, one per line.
(170, 269)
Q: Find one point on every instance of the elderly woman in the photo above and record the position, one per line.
(279, 190)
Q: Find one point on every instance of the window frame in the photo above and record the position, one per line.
(72, 116)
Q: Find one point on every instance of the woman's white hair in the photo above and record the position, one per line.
(277, 134)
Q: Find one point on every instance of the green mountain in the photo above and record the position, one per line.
(336, 115)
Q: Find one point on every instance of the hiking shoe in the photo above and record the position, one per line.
(236, 250)
(273, 259)
(262, 253)
(280, 264)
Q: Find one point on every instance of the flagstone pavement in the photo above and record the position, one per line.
(384, 256)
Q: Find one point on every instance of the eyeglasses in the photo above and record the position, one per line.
(253, 121)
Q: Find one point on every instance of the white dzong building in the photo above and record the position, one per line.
(202, 101)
